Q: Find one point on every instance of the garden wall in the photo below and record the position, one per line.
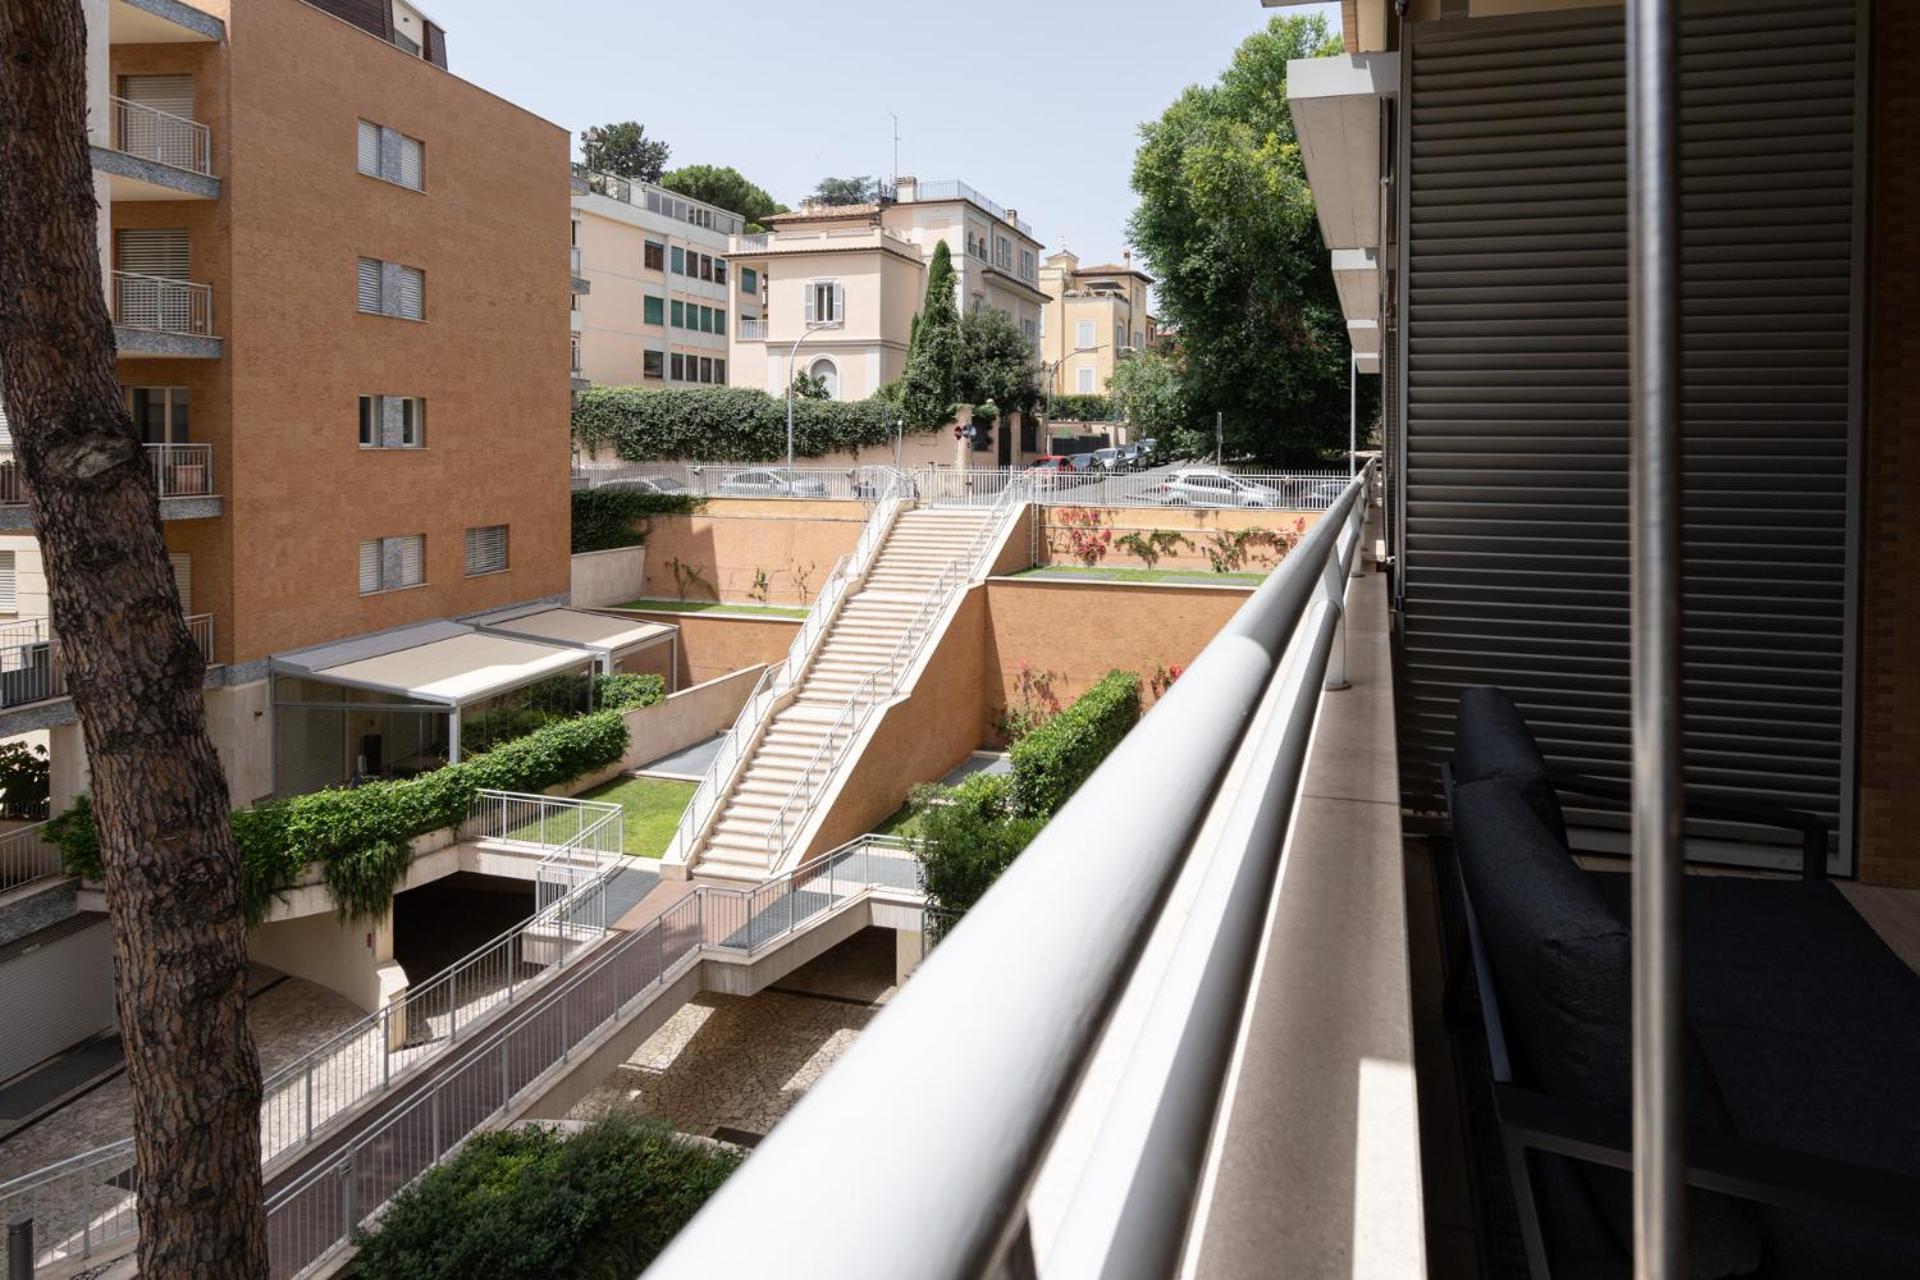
(609, 577)
(714, 645)
(793, 542)
(1064, 530)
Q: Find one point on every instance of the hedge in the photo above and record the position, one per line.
(604, 518)
(527, 1203)
(724, 424)
(1050, 763)
(360, 835)
(1079, 408)
(967, 836)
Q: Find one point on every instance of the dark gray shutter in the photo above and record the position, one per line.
(1515, 324)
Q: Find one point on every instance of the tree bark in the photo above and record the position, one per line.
(172, 870)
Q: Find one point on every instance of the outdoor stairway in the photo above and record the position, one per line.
(864, 635)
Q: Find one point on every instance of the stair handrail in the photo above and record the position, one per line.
(778, 678)
(866, 695)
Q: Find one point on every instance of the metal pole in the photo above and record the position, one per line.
(1659, 1109)
(20, 1247)
(1353, 414)
(1219, 438)
(792, 352)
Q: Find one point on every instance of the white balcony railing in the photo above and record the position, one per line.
(162, 304)
(166, 139)
(179, 471)
(32, 670)
(574, 258)
(752, 329)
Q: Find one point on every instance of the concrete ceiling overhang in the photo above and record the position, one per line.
(1336, 117)
(160, 22)
(1365, 336)
(1356, 274)
(1366, 363)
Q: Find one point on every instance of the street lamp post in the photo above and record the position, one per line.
(812, 328)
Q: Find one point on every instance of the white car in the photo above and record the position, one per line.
(771, 482)
(1133, 456)
(648, 484)
(1215, 489)
(1110, 459)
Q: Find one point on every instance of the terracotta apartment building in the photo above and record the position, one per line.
(335, 278)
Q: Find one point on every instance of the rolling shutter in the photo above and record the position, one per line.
(412, 163)
(182, 565)
(6, 432)
(171, 94)
(486, 549)
(413, 560)
(413, 294)
(369, 286)
(9, 584)
(153, 252)
(370, 148)
(369, 566)
(1515, 310)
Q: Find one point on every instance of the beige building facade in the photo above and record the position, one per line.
(862, 270)
(653, 296)
(1095, 316)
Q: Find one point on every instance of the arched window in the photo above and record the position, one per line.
(829, 374)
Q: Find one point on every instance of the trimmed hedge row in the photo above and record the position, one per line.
(1082, 408)
(604, 518)
(1050, 763)
(724, 424)
(360, 835)
(525, 1204)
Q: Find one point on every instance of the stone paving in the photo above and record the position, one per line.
(742, 1062)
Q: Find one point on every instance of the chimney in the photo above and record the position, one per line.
(1126, 256)
(1013, 215)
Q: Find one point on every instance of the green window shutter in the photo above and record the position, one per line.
(749, 280)
(706, 319)
(654, 311)
(720, 320)
(679, 314)
(679, 261)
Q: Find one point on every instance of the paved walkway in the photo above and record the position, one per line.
(689, 762)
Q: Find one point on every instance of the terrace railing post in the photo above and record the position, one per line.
(309, 1076)
(1658, 841)
(349, 1171)
(433, 1113)
(20, 1247)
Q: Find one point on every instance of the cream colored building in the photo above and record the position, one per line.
(864, 267)
(653, 295)
(1095, 315)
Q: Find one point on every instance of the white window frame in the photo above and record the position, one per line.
(1085, 379)
(371, 146)
(835, 298)
(1083, 331)
(376, 548)
(394, 308)
(490, 549)
(413, 426)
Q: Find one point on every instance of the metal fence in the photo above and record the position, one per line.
(85, 1204)
(1165, 486)
(743, 480)
(179, 471)
(167, 305)
(141, 131)
(32, 670)
(946, 1197)
(320, 1211)
(27, 855)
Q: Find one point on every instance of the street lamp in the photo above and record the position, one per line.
(813, 327)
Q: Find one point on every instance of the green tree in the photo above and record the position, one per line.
(726, 187)
(810, 386)
(1226, 223)
(858, 190)
(1149, 389)
(624, 150)
(932, 380)
(997, 363)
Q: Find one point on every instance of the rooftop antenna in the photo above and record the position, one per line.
(896, 147)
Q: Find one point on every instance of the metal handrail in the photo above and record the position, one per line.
(945, 1197)
(179, 471)
(781, 677)
(303, 1097)
(314, 1215)
(27, 855)
(151, 134)
(900, 659)
(162, 304)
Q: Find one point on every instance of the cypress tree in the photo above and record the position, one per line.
(931, 384)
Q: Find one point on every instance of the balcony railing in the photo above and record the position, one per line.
(574, 258)
(31, 669)
(752, 329)
(148, 134)
(162, 304)
(947, 189)
(179, 471)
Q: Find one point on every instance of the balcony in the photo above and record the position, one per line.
(182, 475)
(156, 156)
(576, 265)
(576, 363)
(159, 316)
(32, 670)
(824, 240)
(161, 22)
(752, 329)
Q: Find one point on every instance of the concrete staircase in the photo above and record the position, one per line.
(865, 636)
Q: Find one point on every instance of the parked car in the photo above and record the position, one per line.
(1133, 456)
(1054, 471)
(648, 484)
(772, 482)
(1081, 462)
(1149, 447)
(1110, 459)
(1317, 495)
(1215, 489)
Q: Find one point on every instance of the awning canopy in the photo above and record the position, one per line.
(443, 662)
(579, 629)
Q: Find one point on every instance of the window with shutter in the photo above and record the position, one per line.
(6, 433)
(182, 565)
(1086, 381)
(369, 298)
(654, 310)
(369, 421)
(1083, 335)
(370, 148)
(412, 163)
(172, 94)
(413, 294)
(720, 320)
(413, 422)
(839, 303)
(155, 251)
(679, 261)
(369, 566)
(720, 372)
(413, 559)
(655, 257)
(653, 364)
(9, 600)
(677, 368)
(486, 550)
(679, 314)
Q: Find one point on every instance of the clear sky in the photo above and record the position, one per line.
(1037, 103)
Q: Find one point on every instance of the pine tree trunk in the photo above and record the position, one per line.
(160, 799)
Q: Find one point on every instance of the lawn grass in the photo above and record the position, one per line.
(903, 822)
(1123, 573)
(653, 808)
(716, 606)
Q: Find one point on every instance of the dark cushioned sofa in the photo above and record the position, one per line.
(1803, 1054)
